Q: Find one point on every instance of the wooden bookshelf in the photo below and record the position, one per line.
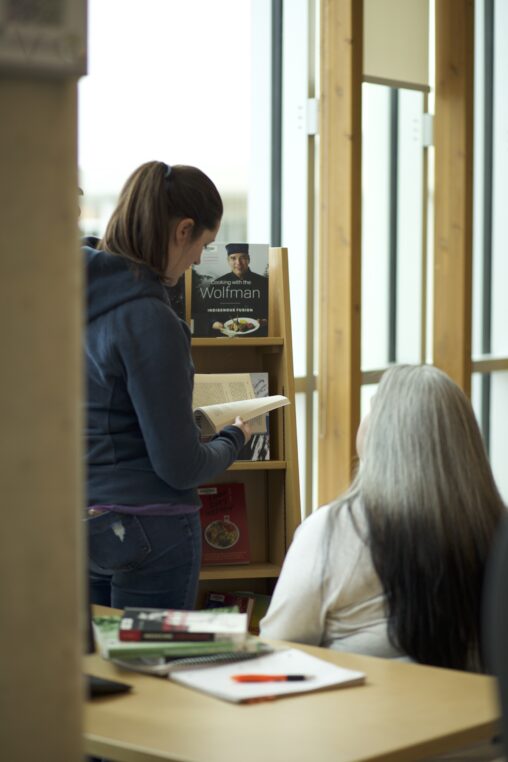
(266, 341)
(272, 487)
(258, 465)
(241, 571)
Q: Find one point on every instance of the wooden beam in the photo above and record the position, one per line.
(41, 473)
(340, 241)
(454, 189)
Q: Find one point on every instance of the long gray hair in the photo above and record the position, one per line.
(432, 509)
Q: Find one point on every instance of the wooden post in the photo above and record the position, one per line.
(280, 322)
(454, 189)
(340, 241)
(41, 559)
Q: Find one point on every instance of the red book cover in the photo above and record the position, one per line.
(224, 524)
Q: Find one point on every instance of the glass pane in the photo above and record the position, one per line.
(500, 183)
(296, 71)
(499, 430)
(490, 184)
(429, 271)
(375, 224)
(409, 227)
(478, 179)
(301, 435)
(392, 225)
(150, 94)
(315, 502)
(367, 392)
(476, 395)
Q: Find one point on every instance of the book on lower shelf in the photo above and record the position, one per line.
(230, 291)
(243, 602)
(219, 397)
(255, 605)
(151, 624)
(260, 604)
(224, 525)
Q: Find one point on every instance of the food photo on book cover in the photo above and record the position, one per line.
(230, 291)
(224, 524)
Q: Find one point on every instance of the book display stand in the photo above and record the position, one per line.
(271, 487)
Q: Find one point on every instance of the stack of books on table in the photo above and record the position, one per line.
(160, 641)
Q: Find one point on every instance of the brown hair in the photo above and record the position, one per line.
(152, 199)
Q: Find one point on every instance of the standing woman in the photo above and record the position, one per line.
(144, 457)
(395, 566)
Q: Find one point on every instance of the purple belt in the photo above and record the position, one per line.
(155, 509)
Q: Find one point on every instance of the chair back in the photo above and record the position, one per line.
(495, 621)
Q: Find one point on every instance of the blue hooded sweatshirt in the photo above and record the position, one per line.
(142, 445)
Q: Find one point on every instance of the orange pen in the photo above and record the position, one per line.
(268, 678)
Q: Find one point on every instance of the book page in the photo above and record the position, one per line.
(215, 388)
(219, 388)
(218, 681)
(219, 416)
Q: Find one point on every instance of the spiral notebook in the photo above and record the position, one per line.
(219, 681)
(164, 667)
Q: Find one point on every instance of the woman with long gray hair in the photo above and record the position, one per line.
(395, 566)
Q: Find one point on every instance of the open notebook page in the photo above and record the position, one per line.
(217, 680)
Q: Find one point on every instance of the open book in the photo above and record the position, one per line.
(220, 397)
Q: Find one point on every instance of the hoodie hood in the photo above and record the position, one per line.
(113, 280)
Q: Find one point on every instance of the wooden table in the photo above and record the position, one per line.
(403, 712)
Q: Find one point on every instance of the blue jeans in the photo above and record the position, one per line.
(145, 561)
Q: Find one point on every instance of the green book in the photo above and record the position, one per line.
(106, 629)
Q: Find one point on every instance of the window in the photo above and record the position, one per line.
(490, 242)
(168, 81)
